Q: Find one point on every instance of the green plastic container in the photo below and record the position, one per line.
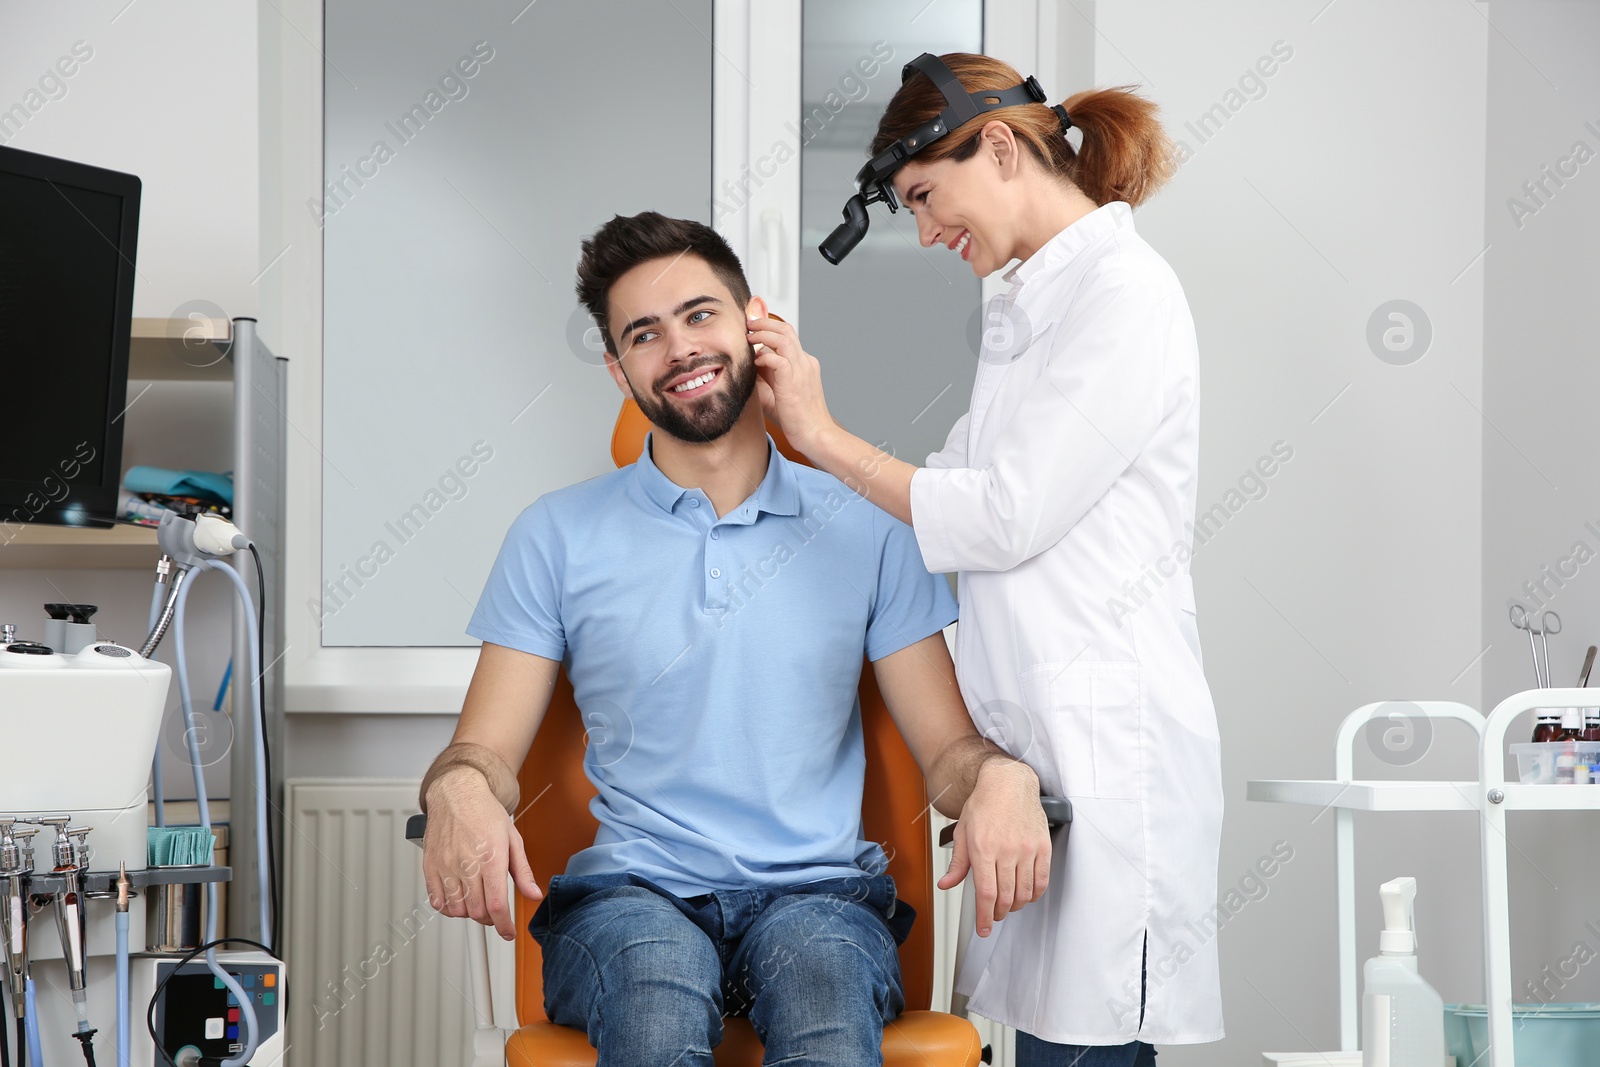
(1545, 1035)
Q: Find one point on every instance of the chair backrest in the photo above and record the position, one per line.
(555, 821)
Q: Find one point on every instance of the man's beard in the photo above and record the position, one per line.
(704, 418)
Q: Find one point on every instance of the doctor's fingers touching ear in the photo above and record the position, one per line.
(793, 378)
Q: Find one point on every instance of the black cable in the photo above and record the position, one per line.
(266, 748)
(150, 1012)
(5, 1035)
(22, 1041)
(86, 1039)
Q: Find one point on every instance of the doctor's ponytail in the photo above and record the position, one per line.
(1125, 154)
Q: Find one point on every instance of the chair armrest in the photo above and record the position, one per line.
(416, 826)
(1057, 813)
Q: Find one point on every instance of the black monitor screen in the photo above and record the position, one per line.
(65, 306)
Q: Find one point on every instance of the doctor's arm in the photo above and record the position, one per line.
(1095, 407)
(1002, 835)
(470, 793)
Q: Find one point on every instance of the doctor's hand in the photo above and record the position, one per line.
(789, 382)
(1003, 839)
(470, 845)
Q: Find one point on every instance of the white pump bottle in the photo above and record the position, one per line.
(1402, 1018)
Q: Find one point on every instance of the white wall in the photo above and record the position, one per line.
(1541, 488)
(1352, 175)
(168, 93)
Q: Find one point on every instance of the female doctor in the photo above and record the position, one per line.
(1064, 499)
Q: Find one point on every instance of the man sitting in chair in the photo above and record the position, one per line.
(712, 603)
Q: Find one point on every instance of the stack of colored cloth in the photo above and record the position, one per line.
(149, 491)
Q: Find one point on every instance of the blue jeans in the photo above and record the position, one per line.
(1032, 1052)
(649, 975)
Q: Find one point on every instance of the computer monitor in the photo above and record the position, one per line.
(67, 240)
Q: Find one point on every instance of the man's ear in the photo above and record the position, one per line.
(614, 368)
(756, 309)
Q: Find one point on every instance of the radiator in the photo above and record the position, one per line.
(377, 978)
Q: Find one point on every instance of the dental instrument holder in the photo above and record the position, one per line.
(68, 629)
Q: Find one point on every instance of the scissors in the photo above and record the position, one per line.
(1548, 623)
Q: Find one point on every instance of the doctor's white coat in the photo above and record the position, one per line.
(1065, 499)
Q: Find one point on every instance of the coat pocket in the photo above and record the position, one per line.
(1088, 720)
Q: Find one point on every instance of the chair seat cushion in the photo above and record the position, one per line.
(915, 1039)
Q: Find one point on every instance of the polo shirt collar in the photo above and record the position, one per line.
(1065, 246)
(778, 493)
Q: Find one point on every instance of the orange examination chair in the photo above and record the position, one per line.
(894, 813)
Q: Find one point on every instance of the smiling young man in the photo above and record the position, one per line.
(712, 603)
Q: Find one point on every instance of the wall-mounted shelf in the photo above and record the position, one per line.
(194, 349)
(121, 546)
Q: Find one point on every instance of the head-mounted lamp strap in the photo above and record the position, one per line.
(962, 105)
(873, 179)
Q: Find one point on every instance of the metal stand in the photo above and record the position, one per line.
(259, 403)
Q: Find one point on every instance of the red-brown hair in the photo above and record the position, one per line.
(1126, 155)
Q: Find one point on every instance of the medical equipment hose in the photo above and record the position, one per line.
(123, 1010)
(202, 803)
(160, 619)
(35, 1056)
(264, 795)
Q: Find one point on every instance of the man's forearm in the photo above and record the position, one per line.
(483, 760)
(955, 774)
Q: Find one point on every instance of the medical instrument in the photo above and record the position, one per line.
(1549, 623)
(124, 891)
(1588, 663)
(873, 180)
(16, 863)
(1522, 619)
(114, 697)
(69, 852)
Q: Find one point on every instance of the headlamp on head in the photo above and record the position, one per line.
(873, 181)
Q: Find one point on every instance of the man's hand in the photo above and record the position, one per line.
(470, 845)
(1003, 838)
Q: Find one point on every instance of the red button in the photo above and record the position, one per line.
(233, 1015)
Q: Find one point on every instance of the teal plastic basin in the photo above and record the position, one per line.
(1545, 1035)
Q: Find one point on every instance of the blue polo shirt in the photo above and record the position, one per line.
(716, 663)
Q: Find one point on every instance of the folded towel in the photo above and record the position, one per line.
(208, 485)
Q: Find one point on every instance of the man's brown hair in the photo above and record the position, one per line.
(625, 242)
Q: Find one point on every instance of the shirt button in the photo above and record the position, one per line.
(715, 573)
(694, 502)
(714, 535)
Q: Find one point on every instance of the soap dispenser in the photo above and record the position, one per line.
(1402, 1018)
